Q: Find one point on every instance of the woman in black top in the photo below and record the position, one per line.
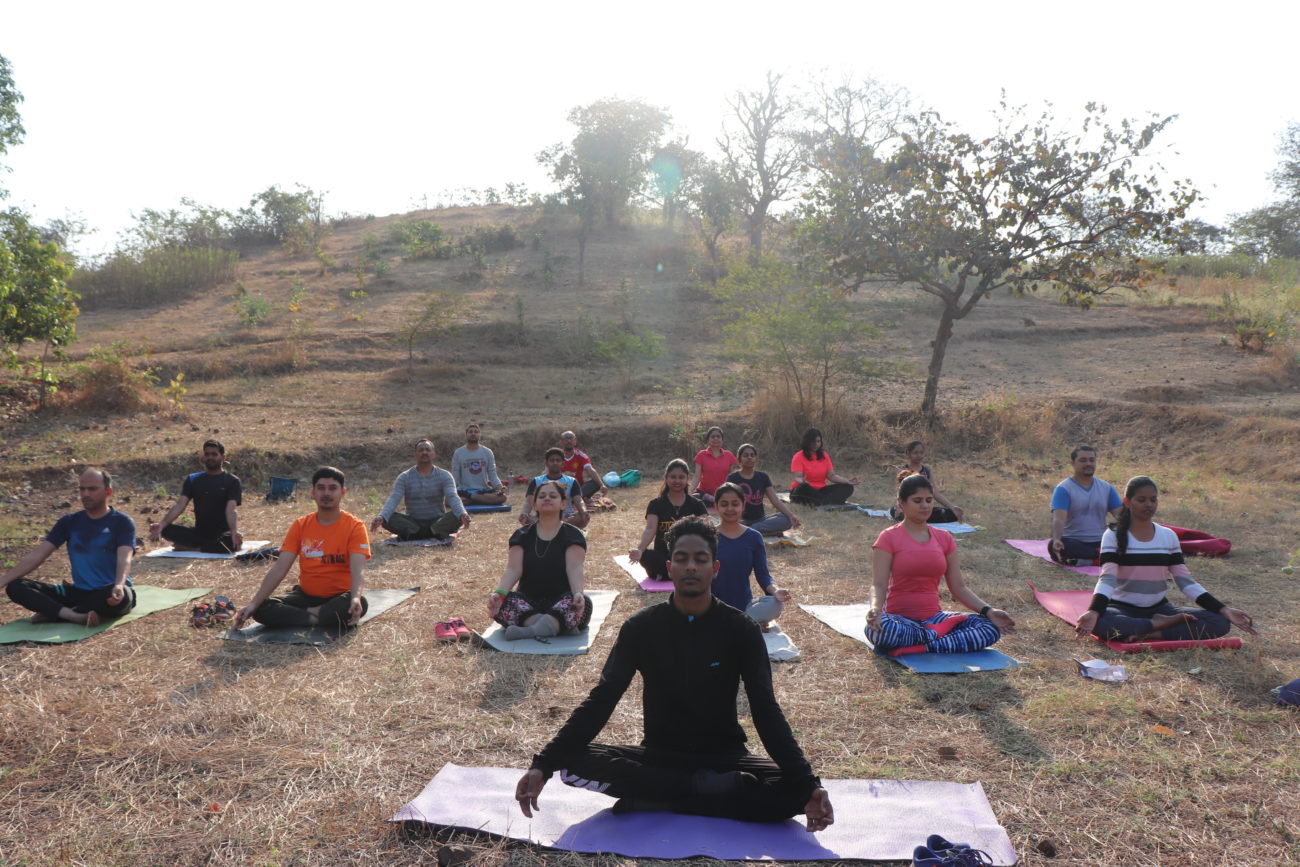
(673, 502)
(755, 485)
(540, 593)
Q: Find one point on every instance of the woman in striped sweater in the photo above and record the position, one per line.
(1138, 558)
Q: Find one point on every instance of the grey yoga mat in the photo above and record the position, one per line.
(378, 600)
(875, 820)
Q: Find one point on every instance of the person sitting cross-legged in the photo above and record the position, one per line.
(815, 481)
(333, 547)
(216, 494)
(474, 468)
(907, 562)
(540, 593)
(673, 503)
(692, 653)
(433, 508)
(577, 463)
(1138, 558)
(101, 542)
(757, 485)
(741, 553)
(1079, 508)
(575, 507)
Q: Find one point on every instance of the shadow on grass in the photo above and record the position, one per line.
(232, 660)
(981, 695)
(514, 677)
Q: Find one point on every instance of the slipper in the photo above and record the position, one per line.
(223, 609)
(201, 615)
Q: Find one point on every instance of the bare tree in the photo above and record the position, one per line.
(761, 152)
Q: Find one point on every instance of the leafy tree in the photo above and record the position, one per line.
(797, 325)
(1286, 178)
(672, 170)
(713, 206)
(761, 153)
(11, 125)
(1273, 230)
(958, 217)
(35, 302)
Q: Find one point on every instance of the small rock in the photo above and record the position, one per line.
(1046, 848)
(948, 753)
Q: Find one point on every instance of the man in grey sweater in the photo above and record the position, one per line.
(433, 509)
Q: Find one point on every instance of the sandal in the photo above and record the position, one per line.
(201, 615)
(223, 610)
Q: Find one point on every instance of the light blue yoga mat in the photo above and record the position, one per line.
(476, 509)
(851, 620)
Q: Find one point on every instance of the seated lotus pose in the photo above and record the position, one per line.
(1079, 508)
(712, 463)
(540, 593)
(215, 493)
(672, 504)
(433, 508)
(101, 541)
(474, 469)
(575, 507)
(334, 547)
(755, 485)
(1137, 559)
(741, 553)
(815, 481)
(692, 653)
(945, 512)
(907, 562)
(577, 463)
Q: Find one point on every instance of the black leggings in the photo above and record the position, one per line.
(49, 599)
(831, 495)
(638, 773)
(655, 564)
(291, 610)
(188, 537)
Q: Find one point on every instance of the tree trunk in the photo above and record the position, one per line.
(940, 346)
(756, 235)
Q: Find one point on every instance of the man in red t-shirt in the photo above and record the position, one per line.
(334, 547)
(578, 464)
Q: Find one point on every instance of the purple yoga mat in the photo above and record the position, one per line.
(875, 820)
(637, 574)
(1038, 548)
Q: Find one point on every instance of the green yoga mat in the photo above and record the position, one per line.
(147, 601)
(378, 601)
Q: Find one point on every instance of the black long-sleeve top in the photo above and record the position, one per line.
(691, 668)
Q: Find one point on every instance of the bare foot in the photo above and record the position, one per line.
(1161, 622)
(92, 620)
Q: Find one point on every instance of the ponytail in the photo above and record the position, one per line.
(1125, 518)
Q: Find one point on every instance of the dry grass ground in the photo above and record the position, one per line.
(155, 743)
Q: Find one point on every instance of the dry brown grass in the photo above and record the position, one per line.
(113, 750)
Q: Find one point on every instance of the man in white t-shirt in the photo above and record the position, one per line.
(475, 470)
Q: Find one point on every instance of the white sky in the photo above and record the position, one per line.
(135, 104)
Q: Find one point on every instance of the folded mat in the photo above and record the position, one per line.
(476, 509)
(378, 601)
(650, 585)
(147, 601)
(851, 620)
(559, 645)
(787, 541)
(1069, 604)
(169, 551)
(1038, 548)
(418, 543)
(1201, 544)
(779, 646)
(875, 820)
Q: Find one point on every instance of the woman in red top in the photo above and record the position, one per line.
(907, 562)
(815, 481)
(712, 465)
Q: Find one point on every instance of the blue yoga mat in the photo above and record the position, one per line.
(850, 620)
(504, 507)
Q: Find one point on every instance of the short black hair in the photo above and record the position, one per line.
(553, 450)
(214, 444)
(1074, 454)
(328, 473)
(563, 489)
(694, 525)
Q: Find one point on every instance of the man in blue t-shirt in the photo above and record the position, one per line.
(575, 508)
(216, 494)
(1079, 508)
(100, 543)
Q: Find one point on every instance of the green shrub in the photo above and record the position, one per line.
(493, 239)
(421, 239)
(157, 276)
(253, 310)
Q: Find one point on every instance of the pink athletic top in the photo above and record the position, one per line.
(714, 471)
(814, 471)
(915, 571)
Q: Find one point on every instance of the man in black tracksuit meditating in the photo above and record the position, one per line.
(692, 652)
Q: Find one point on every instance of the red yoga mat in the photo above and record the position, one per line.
(1069, 604)
(1201, 544)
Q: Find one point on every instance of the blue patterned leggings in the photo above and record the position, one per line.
(897, 631)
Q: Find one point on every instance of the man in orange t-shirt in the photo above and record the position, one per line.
(334, 546)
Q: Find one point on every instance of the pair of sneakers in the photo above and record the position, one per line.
(220, 611)
(938, 852)
(452, 630)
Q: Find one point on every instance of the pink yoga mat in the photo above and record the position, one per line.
(1201, 544)
(650, 585)
(1069, 604)
(875, 820)
(1038, 548)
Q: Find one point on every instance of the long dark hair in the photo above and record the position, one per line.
(911, 484)
(1122, 523)
(674, 464)
(811, 436)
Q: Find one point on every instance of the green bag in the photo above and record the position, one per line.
(628, 478)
